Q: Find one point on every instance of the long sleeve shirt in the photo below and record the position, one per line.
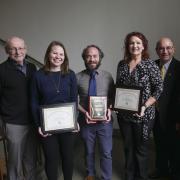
(50, 88)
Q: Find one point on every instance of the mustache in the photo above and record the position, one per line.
(97, 64)
(93, 62)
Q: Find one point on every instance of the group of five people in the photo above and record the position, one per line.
(23, 91)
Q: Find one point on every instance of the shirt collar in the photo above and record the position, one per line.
(166, 65)
(20, 67)
(96, 70)
(16, 64)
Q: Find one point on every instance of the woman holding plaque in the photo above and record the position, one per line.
(137, 70)
(54, 84)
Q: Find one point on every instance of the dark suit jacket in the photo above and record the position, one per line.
(168, 102)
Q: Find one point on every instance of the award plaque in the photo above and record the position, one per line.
(58, 118)
(98, 107)
(128, 99)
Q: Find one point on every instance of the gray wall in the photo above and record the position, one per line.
(78, 23)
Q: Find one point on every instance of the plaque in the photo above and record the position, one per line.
(98, 107)
(59, 118)
(128, 98)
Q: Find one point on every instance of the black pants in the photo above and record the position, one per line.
(167, 144)
(136, 151)
(54, 146)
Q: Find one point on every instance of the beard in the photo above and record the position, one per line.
(89, 66)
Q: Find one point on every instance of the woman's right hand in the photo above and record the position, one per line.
(42, 134)
(142, 112)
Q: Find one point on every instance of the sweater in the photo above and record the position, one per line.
(51, 88)
(14, 93)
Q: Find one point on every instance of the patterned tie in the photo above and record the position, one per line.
(92, 84)
(163, 71)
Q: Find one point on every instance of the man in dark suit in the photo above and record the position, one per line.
(166, 122)
(15, 75)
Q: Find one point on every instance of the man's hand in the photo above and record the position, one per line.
(108, 115)
(178, 128)
(88, 119)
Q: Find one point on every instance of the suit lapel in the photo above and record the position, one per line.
(170, 71)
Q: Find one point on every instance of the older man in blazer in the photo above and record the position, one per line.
(166, 121)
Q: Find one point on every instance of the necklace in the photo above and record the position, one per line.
(55, 83)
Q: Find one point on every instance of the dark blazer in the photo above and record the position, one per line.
(168, 104)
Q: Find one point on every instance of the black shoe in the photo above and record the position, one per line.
(175, 177)
(154, 175)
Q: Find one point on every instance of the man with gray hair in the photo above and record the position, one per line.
(15, 75)
(167, 113)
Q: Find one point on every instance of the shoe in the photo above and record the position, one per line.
(90, 178)
(154, 175)
(175, 177)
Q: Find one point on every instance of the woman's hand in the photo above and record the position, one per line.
(78, 129)
(143, 108)
(42, 134)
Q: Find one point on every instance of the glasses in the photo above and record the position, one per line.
(168, 48)
(15, 50)
(91, 56)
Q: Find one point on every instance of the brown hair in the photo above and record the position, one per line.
(85, 50)
(65, 64)
(127, 55)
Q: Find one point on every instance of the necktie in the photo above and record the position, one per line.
(163, 71)
(92, 84)
(22, 68)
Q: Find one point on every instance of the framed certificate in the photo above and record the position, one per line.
(98, 107)
(58, 118)
(128, 98)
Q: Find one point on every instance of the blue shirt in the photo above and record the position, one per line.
(20, 67)
(44, 90)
